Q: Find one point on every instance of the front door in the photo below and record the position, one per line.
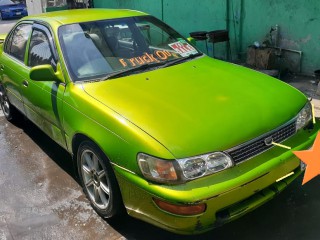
(43, 100)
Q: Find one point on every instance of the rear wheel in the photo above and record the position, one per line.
(8, 110)
(98, 180)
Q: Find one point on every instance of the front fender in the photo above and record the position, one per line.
(117, 137)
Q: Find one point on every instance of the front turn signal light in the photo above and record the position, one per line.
(178, 209)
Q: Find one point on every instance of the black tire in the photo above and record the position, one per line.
(98, 181)
(7, 108)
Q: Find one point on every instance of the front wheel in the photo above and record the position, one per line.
(98, 180)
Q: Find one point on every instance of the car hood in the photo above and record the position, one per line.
(200, 106)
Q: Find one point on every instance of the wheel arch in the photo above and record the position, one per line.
(77, 139)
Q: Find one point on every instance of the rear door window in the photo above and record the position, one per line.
(17, 42)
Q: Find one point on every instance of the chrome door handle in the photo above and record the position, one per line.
(25, 83)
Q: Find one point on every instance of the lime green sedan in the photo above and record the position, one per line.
(157, 129)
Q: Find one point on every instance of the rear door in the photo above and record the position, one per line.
(13, 70)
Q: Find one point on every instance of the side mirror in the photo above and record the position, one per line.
(43, 73)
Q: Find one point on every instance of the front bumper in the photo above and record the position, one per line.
(228, 194)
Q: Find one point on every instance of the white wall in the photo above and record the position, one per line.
(34, 7)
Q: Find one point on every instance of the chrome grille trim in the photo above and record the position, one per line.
(257, 145)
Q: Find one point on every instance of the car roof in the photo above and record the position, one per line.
(83, 15)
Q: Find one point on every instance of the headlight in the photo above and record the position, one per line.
(193, 167)
(204, 165)
(182, 170)
(304, 116)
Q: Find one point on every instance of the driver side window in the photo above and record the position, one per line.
(40, 52)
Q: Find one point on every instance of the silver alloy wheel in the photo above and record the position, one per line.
(5, 105)
(94, 178)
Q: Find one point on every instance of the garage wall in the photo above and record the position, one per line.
(298, 21)
(181, 15)
(34, 7)
(247, 20)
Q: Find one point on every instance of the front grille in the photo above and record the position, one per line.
(257, 146)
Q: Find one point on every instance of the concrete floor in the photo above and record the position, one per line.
(40, 197)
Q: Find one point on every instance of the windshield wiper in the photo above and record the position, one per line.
(132, 70)
(180, 60)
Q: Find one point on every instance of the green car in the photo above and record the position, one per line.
(157, 129)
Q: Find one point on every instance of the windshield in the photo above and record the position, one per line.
(95, 49)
